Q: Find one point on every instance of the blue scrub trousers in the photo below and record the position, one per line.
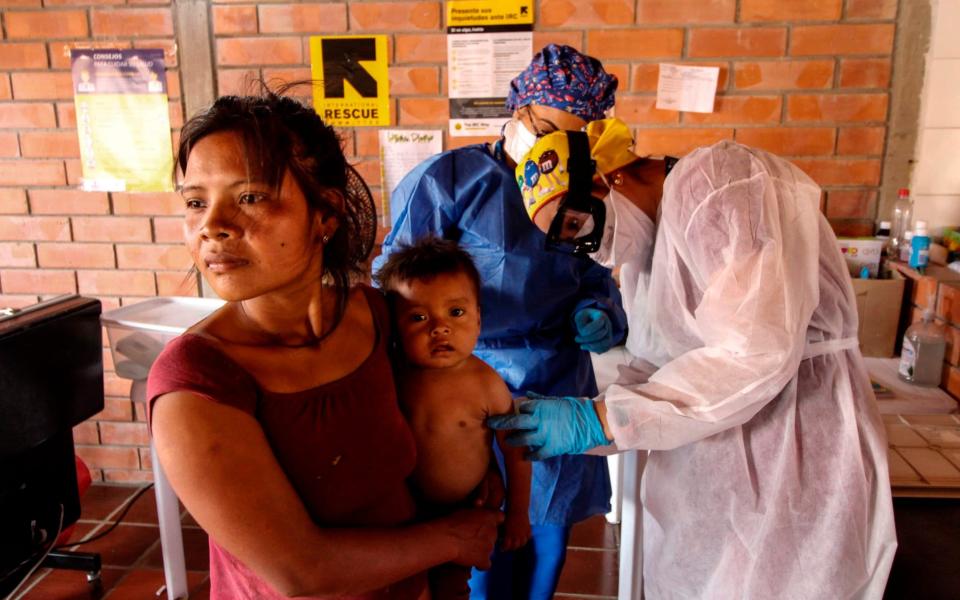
(532, 572)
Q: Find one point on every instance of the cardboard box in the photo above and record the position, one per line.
(879, 302)
(860, 253)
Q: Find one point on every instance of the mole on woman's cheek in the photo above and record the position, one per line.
(283, 244)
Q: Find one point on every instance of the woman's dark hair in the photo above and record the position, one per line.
(281, 134)
(425, 259)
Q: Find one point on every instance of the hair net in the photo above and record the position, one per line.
(563, 78)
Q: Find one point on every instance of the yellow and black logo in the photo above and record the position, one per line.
(351, 87)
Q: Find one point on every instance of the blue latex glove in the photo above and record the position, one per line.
(594, 330)
(553, 425)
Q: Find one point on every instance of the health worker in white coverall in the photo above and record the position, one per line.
(767, 473)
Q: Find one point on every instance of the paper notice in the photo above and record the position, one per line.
(690, 89)
(400, 151)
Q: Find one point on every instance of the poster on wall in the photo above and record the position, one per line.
(488, 43)
(123, 120)
(353, 87)
(400, 151)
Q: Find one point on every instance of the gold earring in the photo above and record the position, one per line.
(618, 178)
(326, 238)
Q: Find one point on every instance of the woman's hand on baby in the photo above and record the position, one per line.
(516, 531)
(474, 531)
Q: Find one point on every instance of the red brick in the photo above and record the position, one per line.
(179, 283)
(777, 10)
(851, 204)
(17, 254)
(394, 16)
(159, 203)
(676, 142)
(86, 433)
(237, 81)
(861, 140)
(42, 86)
(111, 229)
(26, 115)
(168, 230)
(124, 434)
(153, 256)
(23, 56)
(20, 3)
(46, 25)
(837, 107)
(9, 146)
(257, 51)
(50, 144)
(6, 92)
(87, 2)
(116, 283)
(789, 141)
(74, 171)
(423, 111)
(620, 70)
(560, 37)
(304, 18)
(32, 172)
(289, 75)
(12, 201)
(117, 407)
(740, 110)
(168, 45)
(109, 457)
(35, 281)
(127, 22)
(685, 12)
(425, 47)
(871, 9)
(783, 74)
(67, 115)
(841, 171)
(368, 142)
(76, 256)
(568, 13)
(60, 51)
(56, 229)
(836, 40)
(865, 73)
(755, 41)
(608, 44)
(414, 81)
(66, 202)
(642, 110)
(234, 19)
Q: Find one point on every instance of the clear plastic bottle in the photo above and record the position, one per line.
(906, 247)
(924, 345)
(900, 222)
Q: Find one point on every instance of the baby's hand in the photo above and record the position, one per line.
(516, 531)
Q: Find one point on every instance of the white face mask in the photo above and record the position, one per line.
(517, 140)
(628, 234)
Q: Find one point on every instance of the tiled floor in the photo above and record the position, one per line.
(133, 567)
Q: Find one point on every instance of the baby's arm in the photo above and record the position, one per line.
(516, 527)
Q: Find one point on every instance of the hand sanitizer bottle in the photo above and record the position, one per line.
(924, 344)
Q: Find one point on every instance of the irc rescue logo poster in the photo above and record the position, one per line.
(351, 85)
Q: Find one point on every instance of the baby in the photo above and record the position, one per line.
(446, 392)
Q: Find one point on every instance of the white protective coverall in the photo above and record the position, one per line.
(768, 471)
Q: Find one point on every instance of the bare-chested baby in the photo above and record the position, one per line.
(447, 393)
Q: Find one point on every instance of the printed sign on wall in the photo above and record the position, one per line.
(352, 87)
(123, 121)
(488, 43)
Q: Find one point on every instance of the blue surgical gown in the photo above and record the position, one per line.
(528, 298)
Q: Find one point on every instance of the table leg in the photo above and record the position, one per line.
(631, 527)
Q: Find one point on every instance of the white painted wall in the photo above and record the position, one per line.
(935, 182)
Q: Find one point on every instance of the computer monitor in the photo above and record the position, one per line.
(51, 379)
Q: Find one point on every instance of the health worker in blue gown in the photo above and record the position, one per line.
(543, 312)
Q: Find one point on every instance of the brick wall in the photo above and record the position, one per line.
(807, 79)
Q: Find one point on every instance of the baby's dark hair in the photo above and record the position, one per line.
(425, 259)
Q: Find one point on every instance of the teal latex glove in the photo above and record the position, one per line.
(594, 330)
(553, 425)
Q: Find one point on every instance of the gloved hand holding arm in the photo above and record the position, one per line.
(598, 317)
(553, 425)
